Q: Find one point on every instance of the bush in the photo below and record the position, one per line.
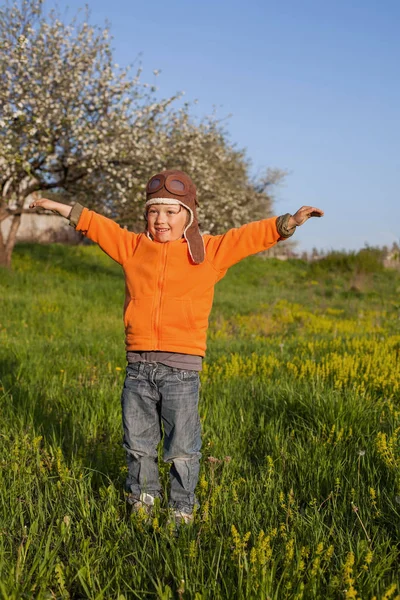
(366, 260)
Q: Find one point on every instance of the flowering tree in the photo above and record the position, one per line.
(227, 195)
(75, 124)
(66, 113)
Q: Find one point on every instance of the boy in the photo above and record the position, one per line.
(170, 274)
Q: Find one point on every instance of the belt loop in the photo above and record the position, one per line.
(154, 367)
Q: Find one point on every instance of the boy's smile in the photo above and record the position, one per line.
(166, 222)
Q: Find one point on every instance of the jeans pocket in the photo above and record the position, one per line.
(186, 375)
(133, 370)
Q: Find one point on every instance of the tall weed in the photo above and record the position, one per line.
(300, 409)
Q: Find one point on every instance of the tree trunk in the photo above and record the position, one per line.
(7, 247)
(3, 262)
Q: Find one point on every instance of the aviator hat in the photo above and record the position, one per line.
(175, 187)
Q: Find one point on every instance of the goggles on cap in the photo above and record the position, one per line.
(172, 183)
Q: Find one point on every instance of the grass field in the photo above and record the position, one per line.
(300, 408)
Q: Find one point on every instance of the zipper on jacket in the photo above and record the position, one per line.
(160, 286)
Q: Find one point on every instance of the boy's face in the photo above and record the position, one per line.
(166, 222)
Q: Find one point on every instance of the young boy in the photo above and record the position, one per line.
(170, 274)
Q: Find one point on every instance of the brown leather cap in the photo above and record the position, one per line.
(176, 185)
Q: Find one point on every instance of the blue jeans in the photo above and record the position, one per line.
(156, 394)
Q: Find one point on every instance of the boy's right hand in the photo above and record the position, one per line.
(62, 209)
(41, 203)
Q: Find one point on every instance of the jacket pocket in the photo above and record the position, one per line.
(176, 318)
(128, 311)
(138, 316)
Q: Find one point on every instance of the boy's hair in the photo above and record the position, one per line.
(171, 202)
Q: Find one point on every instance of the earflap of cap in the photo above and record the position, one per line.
(193, 238)
(195, 243)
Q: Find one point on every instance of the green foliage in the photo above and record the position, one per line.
(366, 260)
(299, 484)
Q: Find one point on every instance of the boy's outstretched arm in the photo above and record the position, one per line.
(225, 250)
(118, 243)
(62, 209)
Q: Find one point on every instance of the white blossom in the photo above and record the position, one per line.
(75, 123)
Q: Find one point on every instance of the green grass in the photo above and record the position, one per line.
(300, 407)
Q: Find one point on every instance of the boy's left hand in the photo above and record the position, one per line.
(304, 213)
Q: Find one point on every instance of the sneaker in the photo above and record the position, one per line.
(145, 503)
(181, 514)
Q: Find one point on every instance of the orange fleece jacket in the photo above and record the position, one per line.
(169, 298)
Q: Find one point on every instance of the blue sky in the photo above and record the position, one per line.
(312, 87)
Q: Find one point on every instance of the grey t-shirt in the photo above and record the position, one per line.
(186, 362)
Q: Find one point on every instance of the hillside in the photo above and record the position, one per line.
(300, 408)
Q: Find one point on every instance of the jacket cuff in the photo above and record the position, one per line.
(282, 226)
(75, 214)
